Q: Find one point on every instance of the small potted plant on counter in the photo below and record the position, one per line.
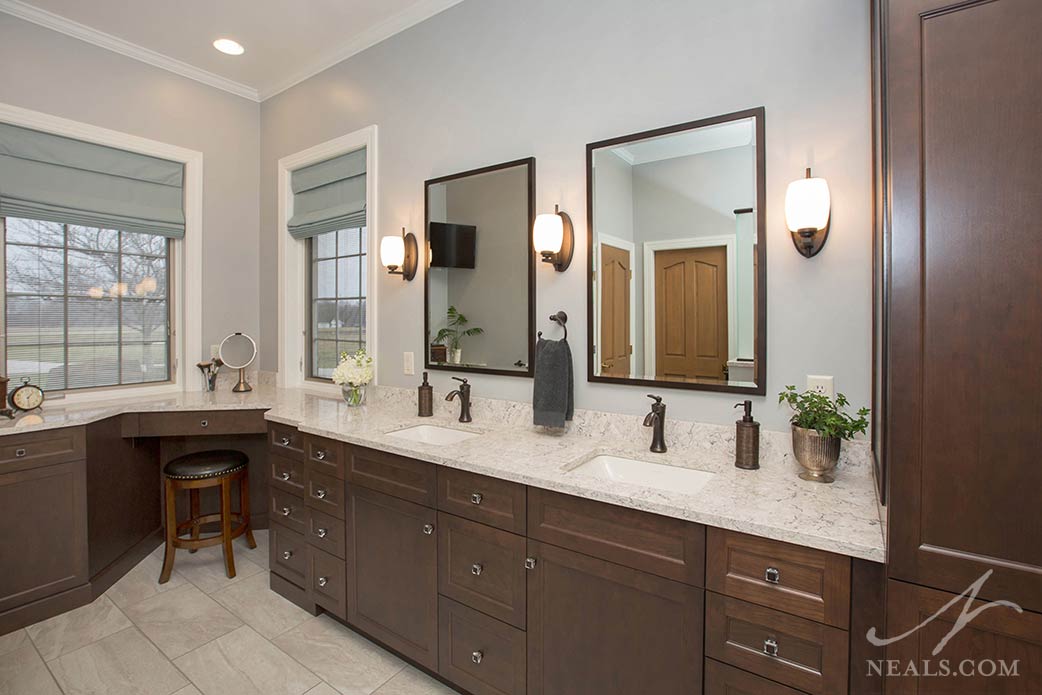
(454, 334)
(819, 426)
(353, 374)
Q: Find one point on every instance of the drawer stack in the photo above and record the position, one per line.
(307, 508)
(777, 617)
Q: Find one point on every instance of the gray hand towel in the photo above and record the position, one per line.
(553, 399)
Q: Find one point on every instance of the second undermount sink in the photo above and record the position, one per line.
(656, 475)
(432, 434)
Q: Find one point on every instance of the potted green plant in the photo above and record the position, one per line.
(455, 332)
(819, 426)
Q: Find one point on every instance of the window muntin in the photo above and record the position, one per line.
(85, 307)
(337, 306)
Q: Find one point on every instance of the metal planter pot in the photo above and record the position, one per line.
(817, 454)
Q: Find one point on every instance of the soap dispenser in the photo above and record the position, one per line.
(747, 439)
(425, 398)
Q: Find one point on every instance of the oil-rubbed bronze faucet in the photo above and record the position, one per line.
(464, 399)
(656, 420)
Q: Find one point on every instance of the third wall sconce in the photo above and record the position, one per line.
(808, 209)
(400, 254)
(554, 239)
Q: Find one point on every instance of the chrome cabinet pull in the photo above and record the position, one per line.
(428, 529)
(284, 441)
(770, 647)
(204, 423)
(475, 498)
(284, 475)
(320, 455)
(287, 554)
(286, 511)
(321, 533)
(771, 575)
(529, 563)
(476, 569)
(322, 581)
(320, 493)
(477, 656)
(19, 453)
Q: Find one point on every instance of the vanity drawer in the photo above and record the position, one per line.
(326, 494)
(491, 501)
(394, 475)
(19, 451)
(482, 567)
(670, 548)
(285, 441)
(795, 651)
(722, 679)
(194, 423)
(327, 582)
(286, 509)
(288, 474)
(479, 653)
(288, 554)
(325, 456)
(810, 583)
(326, 532)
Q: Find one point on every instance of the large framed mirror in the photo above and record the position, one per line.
(677, 256)
(480, 281)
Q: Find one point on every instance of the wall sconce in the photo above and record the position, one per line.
(399, 255)
(808, 209)
(554, 239)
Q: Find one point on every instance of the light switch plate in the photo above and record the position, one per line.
(409, 363)
(825, 385)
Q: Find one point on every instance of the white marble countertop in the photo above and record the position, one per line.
(771, 502)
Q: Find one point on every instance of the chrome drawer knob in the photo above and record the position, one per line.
(771, 575)
(529, 563)
(322, 581)
(476, 657)
(476, 498)
(287, 554)
(476, 569)
(284, 475)
(19, 453)
(284, 441)
(428, 529)
(286, 511)
(322, 533)
(204, 423)
(320, 455)
(320, 493)
(770, 647)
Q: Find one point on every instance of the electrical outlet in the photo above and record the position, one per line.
(408, 363)
(825, 385)
(214, 351)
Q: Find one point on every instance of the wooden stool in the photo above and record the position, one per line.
(193, 472)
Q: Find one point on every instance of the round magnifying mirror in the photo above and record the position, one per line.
(238, 352)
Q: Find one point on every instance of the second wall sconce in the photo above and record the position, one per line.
(808, 209)
(554, 239)
(400, 254)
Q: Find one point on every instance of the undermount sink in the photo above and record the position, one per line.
(656, 475)
(432, 434)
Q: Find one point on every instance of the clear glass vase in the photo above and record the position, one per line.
(353, 395)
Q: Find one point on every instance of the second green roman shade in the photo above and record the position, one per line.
(329, 196)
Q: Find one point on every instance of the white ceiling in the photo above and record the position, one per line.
(286, 40)
(705, 139)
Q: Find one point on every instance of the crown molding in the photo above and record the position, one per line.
(115, 44)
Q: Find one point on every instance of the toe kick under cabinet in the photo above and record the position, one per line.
(504, 589)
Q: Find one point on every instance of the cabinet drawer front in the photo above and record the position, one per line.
(498, 503)
(20, 451)
(288, 474)
(200, 422)
(326, 532)
(660, 545)
(288, 554)
(288, 510)
(482, 567)
(810, 583)
(286, 441)
(325, 456)
(795, 651)
(722, 679)
(327, 582)
(394, 475)
(479, 653)
(326, 494)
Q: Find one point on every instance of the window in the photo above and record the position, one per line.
(337, 281)
(85, 307)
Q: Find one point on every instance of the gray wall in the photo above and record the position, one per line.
(492, 80)
(53, 73)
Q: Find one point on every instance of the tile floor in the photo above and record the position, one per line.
(200, 634)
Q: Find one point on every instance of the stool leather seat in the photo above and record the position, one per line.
(205, 464)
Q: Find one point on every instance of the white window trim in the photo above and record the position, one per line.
(186, 254)
(293, 260)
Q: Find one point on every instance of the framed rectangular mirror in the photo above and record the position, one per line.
(480, 281)
(677, 256)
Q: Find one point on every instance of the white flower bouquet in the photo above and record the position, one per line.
(353, 374)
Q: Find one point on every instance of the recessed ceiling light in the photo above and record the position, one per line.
(232, 48)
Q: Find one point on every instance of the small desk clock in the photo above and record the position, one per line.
(27, 396)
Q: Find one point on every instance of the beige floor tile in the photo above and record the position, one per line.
(411, 681)
(205, 568)
(322, 689)
(142, 582)
(258, 555)
(13, 640)
(349, 663)
(188, 690)
(178, 621)
(77, 628)
(22, 672)
(244, 663)
(125, 663)
(253, 601)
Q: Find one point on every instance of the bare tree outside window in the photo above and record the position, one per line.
(85, 307)
(337, 280)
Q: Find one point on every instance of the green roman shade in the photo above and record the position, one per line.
(328, 196)
(58, 179)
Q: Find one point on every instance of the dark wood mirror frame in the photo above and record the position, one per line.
(528, 162)
(760, 389)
